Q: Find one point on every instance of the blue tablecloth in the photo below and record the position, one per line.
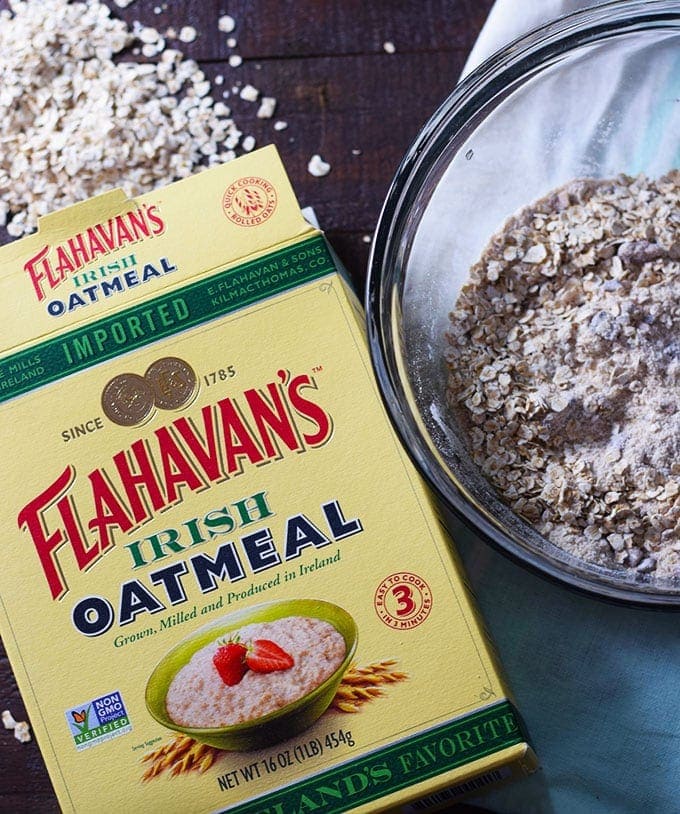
(598, 687)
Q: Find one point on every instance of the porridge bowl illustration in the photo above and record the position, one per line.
(256, 676)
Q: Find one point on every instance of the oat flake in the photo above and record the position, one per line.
(318, 167)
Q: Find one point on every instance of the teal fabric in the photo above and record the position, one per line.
(598, 688)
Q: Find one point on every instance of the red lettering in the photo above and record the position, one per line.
(80, 249)
(85, 555)
(157, 224)
(46, 544)
(95, 244)
(65, 265)
(132, 481)
(109, 511)
(274, 416)
(123, 234)
(238, 442)
(207, 456)
(81, 256)
(176, 468)
(105, 231)
(310, 410)
(37, 268)
(139, 225)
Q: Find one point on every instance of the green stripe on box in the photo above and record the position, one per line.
(165, 315)
(368, 778)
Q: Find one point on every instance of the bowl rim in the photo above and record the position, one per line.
(498, 71)
(240, 617)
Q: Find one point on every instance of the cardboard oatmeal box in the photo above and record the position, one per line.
(224, 588)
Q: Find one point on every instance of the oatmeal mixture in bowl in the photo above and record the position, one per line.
(564, 369)
(256, 670)
(256, 676)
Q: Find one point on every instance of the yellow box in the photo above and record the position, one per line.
(224, 588)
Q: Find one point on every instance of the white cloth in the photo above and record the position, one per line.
(509, 19)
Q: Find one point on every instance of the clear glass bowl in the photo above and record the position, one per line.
(593, 94)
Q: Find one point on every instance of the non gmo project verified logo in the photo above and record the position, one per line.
(98, 720)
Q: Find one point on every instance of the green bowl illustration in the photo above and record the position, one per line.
(274, 726)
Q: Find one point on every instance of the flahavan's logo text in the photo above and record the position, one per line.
(51, 266)
(257, 427)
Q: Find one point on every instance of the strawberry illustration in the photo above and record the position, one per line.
(265, 656)
(229, 661)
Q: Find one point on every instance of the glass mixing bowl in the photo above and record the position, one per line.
(593, 94)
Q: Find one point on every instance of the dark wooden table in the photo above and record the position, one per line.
(340, 92)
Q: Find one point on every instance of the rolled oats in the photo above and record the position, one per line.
(77, 121)
(577, 301)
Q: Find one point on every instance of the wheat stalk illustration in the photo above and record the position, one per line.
(359, 685)
(249, 200)
(362, 684)
(180, 756)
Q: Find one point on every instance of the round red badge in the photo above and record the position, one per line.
(249, 201)
(403, 600)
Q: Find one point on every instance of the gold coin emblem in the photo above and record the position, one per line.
(172, 381)
(127, 399)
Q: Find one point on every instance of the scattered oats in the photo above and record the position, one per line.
(568, 331)
(202, 88)
(187, 33)
(280, 125)
(248, 143)
(219, 79)
(123, 3)
(226, 23)
(389, 47)
(366, 238)
(78, 119)
(318, 167)
(267, 107)
(233, 139)
(356, 151)
(21, 728)
(171, 33)
(249, 93)
(235, 60)
(157, 10)
(148, 34)
(232, 42)
(153, 49)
